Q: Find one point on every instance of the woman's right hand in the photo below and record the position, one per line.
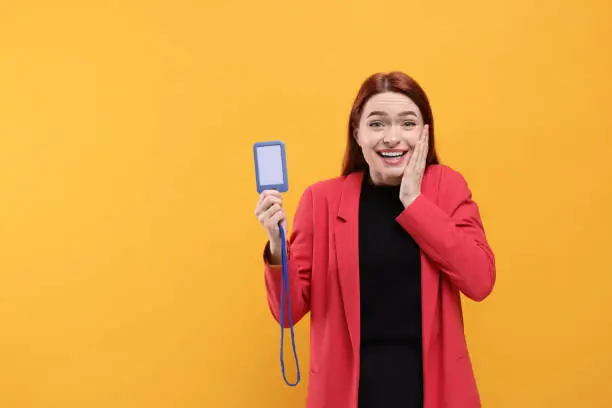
(269, 211)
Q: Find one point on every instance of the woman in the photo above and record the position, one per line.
(379, 257)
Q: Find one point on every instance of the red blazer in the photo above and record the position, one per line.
(324, 280)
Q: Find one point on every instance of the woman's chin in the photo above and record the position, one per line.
(388, 176)
(393, 171)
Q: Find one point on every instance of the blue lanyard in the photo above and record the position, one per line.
(285, 288)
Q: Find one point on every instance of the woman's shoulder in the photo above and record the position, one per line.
(331, 189)
(445, 174)
(327, 186)
(446, 183)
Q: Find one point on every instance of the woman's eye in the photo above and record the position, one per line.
(376, 123)
(409, 123)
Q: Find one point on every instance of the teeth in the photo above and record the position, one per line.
(391, 154)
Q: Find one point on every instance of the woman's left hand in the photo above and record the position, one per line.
(413, 173)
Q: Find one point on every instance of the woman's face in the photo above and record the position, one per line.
(389, 129)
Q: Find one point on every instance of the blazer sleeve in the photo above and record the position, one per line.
(454, 239)
(299, 261)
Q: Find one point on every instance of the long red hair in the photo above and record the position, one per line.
(375, 84)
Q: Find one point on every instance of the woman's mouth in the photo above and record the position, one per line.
(392, 157)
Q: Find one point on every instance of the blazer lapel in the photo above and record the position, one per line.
(430, 277)
(347, 252)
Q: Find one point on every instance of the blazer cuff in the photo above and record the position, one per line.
(267, 257)
(422, 218)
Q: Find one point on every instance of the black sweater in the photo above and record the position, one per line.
(390, 288)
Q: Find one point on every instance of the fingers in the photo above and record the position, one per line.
(271, 218)
(410, 167)
(424, 149)
(268, 202)
(277, 218)
(415, 160)
(273, 209)
(267, 199)
(269, 210)
(267, 215)
(269, 193)
(273, 193)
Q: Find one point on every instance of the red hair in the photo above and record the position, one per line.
(379, 83)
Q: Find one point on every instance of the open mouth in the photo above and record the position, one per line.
(392, 154)
(392, 158)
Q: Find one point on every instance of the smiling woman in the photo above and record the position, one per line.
(385, 102)
(387, 331)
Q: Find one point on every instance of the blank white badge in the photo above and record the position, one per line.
(270, 165)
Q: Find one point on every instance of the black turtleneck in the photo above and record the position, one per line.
(390, 288)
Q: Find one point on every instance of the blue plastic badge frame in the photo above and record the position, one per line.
(284, 186)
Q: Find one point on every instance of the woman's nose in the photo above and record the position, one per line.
(391, 136)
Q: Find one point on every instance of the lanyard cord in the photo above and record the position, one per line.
(285, 288)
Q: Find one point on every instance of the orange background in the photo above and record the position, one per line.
(130, 270)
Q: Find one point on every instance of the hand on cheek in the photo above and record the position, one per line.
(413, 173)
